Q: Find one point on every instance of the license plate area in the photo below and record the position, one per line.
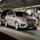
(22, 25)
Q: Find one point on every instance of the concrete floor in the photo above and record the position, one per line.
(5, 37)
(12, 34)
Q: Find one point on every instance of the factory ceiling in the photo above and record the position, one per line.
(18, 3)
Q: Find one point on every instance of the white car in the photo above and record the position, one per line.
(16, 20)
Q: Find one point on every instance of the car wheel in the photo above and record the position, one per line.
(17, 26)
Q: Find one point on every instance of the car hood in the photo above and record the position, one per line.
(21, 20)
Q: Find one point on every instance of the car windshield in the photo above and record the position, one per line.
(19, 14)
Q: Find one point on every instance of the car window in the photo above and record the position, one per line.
(10, 13)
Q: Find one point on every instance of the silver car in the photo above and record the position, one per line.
(16, 20)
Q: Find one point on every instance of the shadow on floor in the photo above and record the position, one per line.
(5, 37)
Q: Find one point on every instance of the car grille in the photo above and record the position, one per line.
(22, 24)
